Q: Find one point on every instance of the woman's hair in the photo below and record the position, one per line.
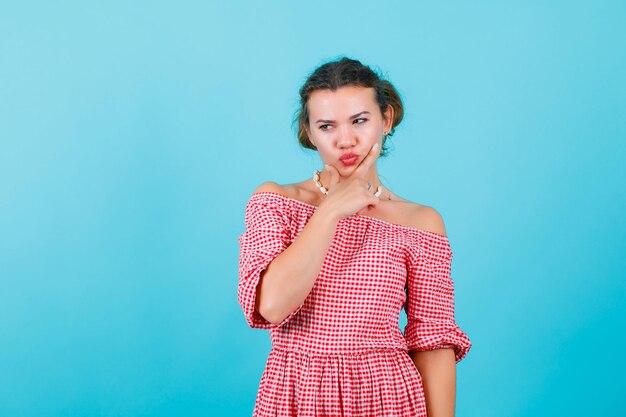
(347, 72)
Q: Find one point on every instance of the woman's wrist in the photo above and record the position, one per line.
(326, 215)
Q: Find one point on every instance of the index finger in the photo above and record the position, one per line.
(367, 162)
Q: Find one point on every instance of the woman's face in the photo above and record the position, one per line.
(346, 121)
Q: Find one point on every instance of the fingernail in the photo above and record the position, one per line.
(326, 167)
(376, 146)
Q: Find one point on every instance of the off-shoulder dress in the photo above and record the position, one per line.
(341, 352)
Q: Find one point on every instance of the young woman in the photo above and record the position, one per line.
(328, 263)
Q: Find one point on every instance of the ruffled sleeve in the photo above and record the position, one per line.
(267, 235)
(430, 298)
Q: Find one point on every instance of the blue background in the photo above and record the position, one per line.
(132, 134)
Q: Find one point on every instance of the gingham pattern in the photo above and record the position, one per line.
(341, 352)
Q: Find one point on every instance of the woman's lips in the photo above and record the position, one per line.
(350, 160)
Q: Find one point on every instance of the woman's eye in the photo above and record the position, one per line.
(361, 118)
(322, 127)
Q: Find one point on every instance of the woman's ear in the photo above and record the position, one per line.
(388, 118)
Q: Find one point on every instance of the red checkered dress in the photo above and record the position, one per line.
(341, 352)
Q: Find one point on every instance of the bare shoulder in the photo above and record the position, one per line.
(431, 220)
(270, 186)
(296, 191)
(424, 217)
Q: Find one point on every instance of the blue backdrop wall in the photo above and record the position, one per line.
(132, 134)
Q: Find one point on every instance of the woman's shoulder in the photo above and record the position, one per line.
(270, 186)
(431, 238)
(419, 216)
(426, 218)
(294, 191)
(269, 193)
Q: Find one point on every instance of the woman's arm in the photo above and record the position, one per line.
(289, 278)
(438, 371)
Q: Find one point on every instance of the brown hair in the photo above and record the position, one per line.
(347, 72)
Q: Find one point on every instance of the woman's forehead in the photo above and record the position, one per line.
(347, 100)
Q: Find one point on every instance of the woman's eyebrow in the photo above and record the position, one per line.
(351, 117)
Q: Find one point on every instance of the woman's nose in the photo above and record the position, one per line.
(345, 137)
